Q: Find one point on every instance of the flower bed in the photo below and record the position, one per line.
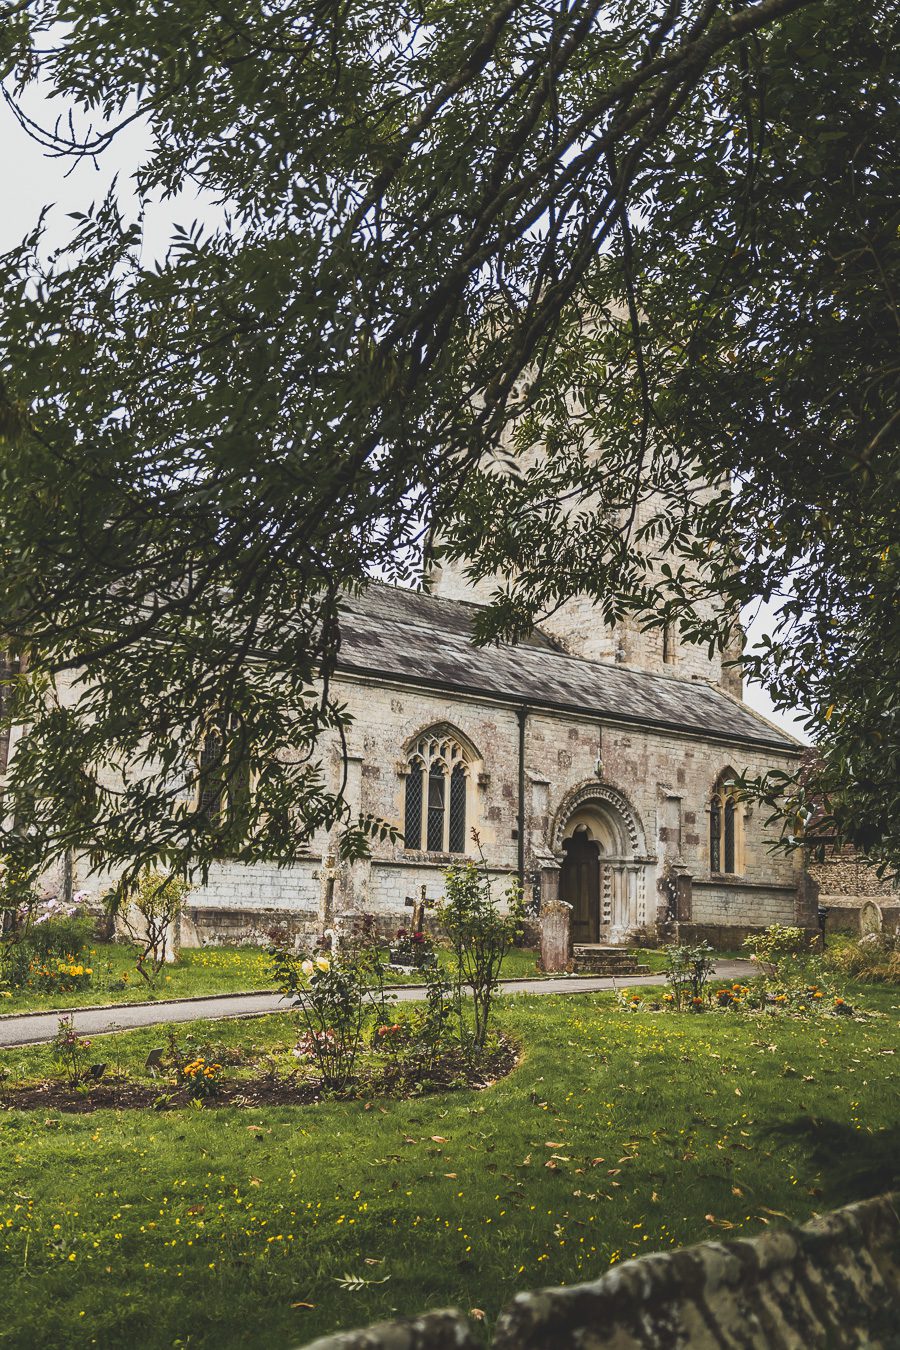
(214, 1084)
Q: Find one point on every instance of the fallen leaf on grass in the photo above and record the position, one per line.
(301, 1304)
(477, 1313)
(778, 1213)
(439, 1139)
(451, 1175)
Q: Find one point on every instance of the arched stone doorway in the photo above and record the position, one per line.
(603, 874)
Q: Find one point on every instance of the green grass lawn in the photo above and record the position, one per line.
(617, 1134)
(203, 970)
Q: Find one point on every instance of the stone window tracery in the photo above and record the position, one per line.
(725, 835)
(437, 795)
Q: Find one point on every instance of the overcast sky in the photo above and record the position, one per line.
(34, 180)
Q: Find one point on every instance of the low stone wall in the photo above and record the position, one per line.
(722, 937)
(219, 927)
(844, 912)
(835, 1282)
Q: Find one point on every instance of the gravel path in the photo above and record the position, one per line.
(35, 1028)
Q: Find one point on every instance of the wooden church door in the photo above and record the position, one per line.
(579, 886)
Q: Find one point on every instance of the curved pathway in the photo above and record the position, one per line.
(38, 1027)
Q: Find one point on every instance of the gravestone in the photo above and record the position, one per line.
(870, 918)
(556, 952)
(418, 908)
(153, 1062)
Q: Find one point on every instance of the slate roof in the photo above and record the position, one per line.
(424, 640)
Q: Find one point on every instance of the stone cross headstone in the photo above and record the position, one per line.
(418, 908)
(870, 918)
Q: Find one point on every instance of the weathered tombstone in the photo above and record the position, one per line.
(684, 897)
(870, 918)
(153, 1062)
(556, 918)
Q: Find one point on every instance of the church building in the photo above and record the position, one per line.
(594, 763)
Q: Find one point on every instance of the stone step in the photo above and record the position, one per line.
(593, 958)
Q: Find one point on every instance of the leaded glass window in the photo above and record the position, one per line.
(715, 836)
(458, 810)
(212, 784)
(728, 836)
(412, 828)
(437, 790)
(437, 808)
(724, 828)
(223, 776)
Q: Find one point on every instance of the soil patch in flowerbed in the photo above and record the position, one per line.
(399, 1079)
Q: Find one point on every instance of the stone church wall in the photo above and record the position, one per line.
(667, 779)
(663, 778)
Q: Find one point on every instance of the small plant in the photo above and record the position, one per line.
(334, 994)
(59, 975)
(688, 969)
(147, 911)
(480, 933)
(202, 1078)
(70, 1051)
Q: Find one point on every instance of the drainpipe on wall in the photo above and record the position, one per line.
(522, 716)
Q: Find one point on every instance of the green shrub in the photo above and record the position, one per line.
(688, 969)
(335, 995)
(781, 952)
(66, 936)
(480, 934)
(148, 909)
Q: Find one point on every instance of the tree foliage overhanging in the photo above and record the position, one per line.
(455, 238)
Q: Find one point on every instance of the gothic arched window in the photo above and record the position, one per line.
(437, 795)
(223, 781)
(724, 827)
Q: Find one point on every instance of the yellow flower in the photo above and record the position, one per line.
(307, 967)
(323, 963)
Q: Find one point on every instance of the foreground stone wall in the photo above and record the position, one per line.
(835, 1282)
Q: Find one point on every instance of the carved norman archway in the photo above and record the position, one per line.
(599, 840)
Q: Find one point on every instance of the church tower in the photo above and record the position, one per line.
(579, 628)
